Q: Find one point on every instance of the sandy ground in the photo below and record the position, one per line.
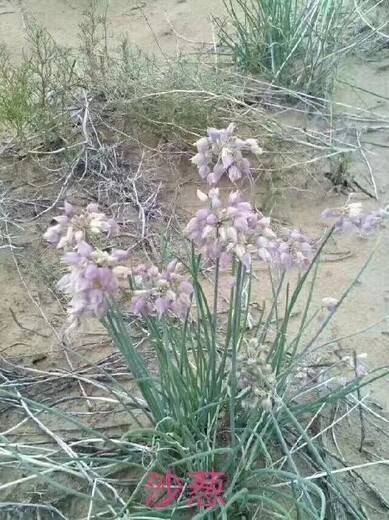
(153, 25)
(29, 338)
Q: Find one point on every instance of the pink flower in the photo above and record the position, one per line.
(234, 173)
(265, 255)
(201, 159)
(241, 224)
(202, 145)
(186, 287)
(224, 151)
(62, 219)
(214, 199)
(139, 306)
(216, 174)
(52, 235)
(84, 249)
(204, 171)
(161, 293)
(69, 210)
(120, 255)
(162, 305)
(352, 218)
(234, 197)
(92, 207)
(227, 158)
(214, 134)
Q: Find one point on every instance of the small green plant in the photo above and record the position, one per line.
(295, 44)
(34, 95)
(16, 91)
(94, 41)
(52, 66)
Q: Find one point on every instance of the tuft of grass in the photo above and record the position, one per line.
(296, 45)
(200, 418)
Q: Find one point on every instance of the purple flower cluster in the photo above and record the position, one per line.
(221, 152)
(291, 249)
(93, 275)
(158, 293)
(71, 228)
(221, 232)
(352, 218)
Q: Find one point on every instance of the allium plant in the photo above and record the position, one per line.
(221, 152)
(226, 394)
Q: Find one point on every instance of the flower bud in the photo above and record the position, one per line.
(234, 173)
(69, 209)
(202, 145)
(266, 404)
(227, 158)
(204, 171)
(330, 303)
(232, 234)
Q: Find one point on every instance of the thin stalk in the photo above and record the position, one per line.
(234, 347)
(213, 353)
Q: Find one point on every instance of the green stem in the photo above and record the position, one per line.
(215, 321)
(234, 346)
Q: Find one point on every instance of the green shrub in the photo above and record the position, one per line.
(16, 93)
(295, 44)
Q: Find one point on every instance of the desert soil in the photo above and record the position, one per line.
(28, 329)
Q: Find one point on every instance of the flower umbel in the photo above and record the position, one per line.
(221, 231)
(158, 293)
(93, 275)
(255, 376)
(71, 228)
(352, 218)
(221, 152)
(291, 248)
